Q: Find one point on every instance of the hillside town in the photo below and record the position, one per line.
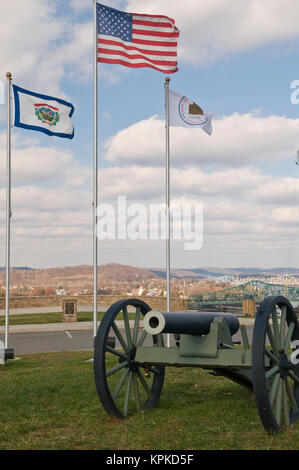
(116, 279)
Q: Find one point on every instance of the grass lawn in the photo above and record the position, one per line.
(44, 318)
(49, 401)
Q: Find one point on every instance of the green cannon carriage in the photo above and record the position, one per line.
(130, 356)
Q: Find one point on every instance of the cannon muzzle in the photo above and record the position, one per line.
(197, 323)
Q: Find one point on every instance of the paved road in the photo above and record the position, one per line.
(52, 341)
(56, 341)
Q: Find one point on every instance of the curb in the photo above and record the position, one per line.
(47, 327)
(51, 327)
(76, 326)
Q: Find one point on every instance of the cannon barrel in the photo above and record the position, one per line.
(197, 323)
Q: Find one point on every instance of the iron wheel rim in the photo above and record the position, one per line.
(130, 391)
(275, 378)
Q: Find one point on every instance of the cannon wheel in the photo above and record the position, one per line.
(123, 385)
(276, 379)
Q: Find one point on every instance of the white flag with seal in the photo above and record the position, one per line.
(184, 112)
(43, 113)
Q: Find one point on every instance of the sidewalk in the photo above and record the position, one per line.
(77, 326)
(57, 309)
(47, 327)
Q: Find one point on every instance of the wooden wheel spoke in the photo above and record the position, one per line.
(116, 352)
(285, 403)
(274, 388)
(120, 383)
(276, 328)
(127, 394)
(144, 384)
(127, 327)
(120, 337)
(272, 340)
(142, 338)
(293, 376)
(283, 325)
(278, 403)
(136, 393)
(271, 356)
(136, 326)
(120, 386)
(272, 371)
(116, 368)
(275, 381)
(289, 336)
(291, 397)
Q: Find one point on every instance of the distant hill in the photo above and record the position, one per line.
(75, 275)
(83, 274)
(206, 272)
(179, 273)
(25, 268)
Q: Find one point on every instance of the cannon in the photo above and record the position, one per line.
(130, 356)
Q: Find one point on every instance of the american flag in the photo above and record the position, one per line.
(136, 40)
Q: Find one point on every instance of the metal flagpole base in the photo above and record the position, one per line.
(9, 354)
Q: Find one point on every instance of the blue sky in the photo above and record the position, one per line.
(238, 62)
(241, 83)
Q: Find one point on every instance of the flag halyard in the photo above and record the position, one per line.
(137, 40)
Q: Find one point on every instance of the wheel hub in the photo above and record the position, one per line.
(131, 359)
(284, 364)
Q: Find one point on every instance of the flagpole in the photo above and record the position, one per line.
(8, 209)
(166, 86)
(95, 174)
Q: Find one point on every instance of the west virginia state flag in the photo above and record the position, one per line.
(43, 113)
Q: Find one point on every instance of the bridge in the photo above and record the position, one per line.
(234, 295)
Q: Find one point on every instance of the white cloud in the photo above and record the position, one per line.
(149, 182)
(237, 140)
(42, 49)
(236, 221)
(49, 227)
(213, 30)
(39, 47)
(34, 163)
(283, 191)
(53, 226)
(82, 5)
(45, 201)
(52, 210)
(287, 216)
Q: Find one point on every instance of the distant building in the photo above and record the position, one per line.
(61, 292)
